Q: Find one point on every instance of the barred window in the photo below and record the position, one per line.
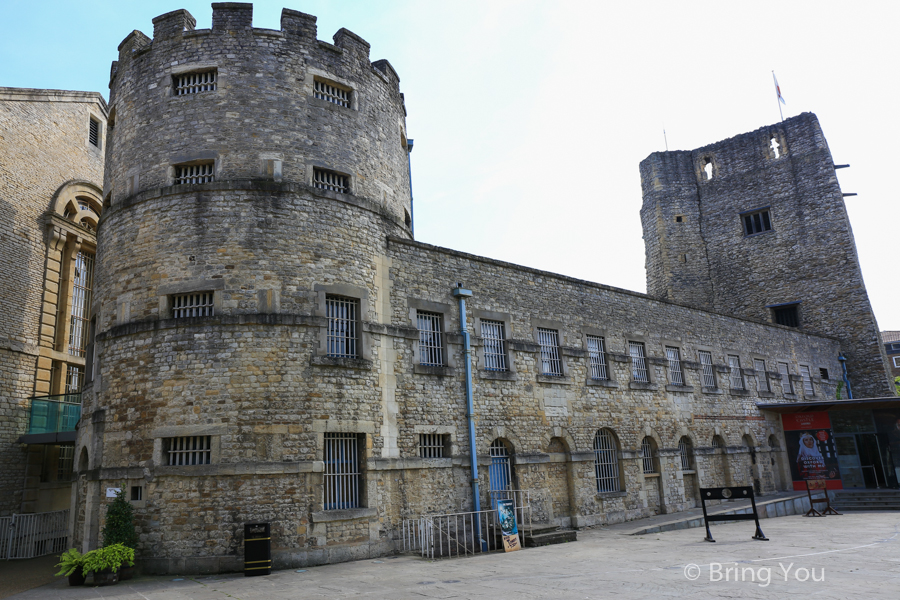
(762, 381)
(500, 471)
(94, 132)
(82, 288)
(493, 334)
(431, 349)
(708, 375)
(342, 314)
(74, 379)
(686, 451)
(787, 385)
(718, 442)
(65, 462)
(737, 377)
(192, 305)
(432, 445)
(195, 83)
(638, 362)
(549, 342)
(647, 455)
(331, 93)
(676, 375)
(189, 450)
(193, 174)
(807, 381)
(757, 222)
(329, 180)
(789, 315)
(606, 461)
(597, 355)
(343, 478)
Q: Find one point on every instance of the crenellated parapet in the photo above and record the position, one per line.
(250, 103)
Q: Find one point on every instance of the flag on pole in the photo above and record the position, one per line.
(778, 89)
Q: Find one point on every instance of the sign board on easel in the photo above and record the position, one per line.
(506, 514)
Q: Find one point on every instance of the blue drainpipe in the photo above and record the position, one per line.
(461, 294)
(843, 360)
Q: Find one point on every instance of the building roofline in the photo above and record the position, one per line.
(36, 95)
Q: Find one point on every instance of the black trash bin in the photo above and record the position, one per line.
(257, 549)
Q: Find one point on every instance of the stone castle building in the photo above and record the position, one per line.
(270, 343)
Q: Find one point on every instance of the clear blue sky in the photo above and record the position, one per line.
(530, 118)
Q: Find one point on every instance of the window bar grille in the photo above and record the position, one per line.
(638, 362)
(737, 377)
(606, 462)
(192, 305)
(190, 450)
(333, 94)
(74, 379)
(500, 475)
(342, 474)
(786, 384)
(762, 381)
(717, 442)
(493, 335)
(328, 180)
(431, 445)
(597, 354)
(807, 381)
(676, 375)
(684, 450)
(65, 462)
(431, 348)
(709, 375)
(82, 287)
(341, 314)
(194, 83)
(549, 342)
(94, 132)
(647, 455)
(192, 174)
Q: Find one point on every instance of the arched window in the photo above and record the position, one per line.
(606, 461)
(718, 442)
(773, 443)
(686, 451)
(647, 455)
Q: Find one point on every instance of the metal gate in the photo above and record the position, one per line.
(36, 534)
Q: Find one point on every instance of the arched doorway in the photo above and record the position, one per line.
(751, 465)
(777, 463)
(500, 475)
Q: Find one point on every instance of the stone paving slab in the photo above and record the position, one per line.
(857, 554)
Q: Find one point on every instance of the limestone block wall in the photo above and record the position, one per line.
(809, 256)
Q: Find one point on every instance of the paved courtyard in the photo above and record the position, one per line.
(856, 555)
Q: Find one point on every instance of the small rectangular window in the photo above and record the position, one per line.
(676, 375)
(786, 385)
(897, 361)
(195, 83)
(74, 379)
(431, 349)
(329, 180)
(199, 304)
(549, 342)
(343, 477)
(188, 450)
(638, 362)
(597, 354)
(708, 374)
(823, 373)
(787, 315)
(94, 132)
(493, 335)
(342, 314)
(137, 493)
(331, 93)
(65, 462)
(762, 381)
(196, 173)
(757, 222)
(807, 381)
(433, 445)
(737, 376)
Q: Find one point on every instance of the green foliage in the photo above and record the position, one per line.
(119, 528)
(897, 385)
(108, 557)
(840, 386)
(70, 561)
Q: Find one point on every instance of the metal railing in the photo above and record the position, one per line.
(28, 536)
(522, 501)
(54, 414)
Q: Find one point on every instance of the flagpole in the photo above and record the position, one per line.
(666, 139)
(777, 95)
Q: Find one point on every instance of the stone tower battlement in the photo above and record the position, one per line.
(756, 226)
(256, 104)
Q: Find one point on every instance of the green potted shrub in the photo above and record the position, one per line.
(71, 565)
(119, 529)
(105, 563)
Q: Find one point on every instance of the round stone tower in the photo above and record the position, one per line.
(253, 179)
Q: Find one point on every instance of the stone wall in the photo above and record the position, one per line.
(698, 253)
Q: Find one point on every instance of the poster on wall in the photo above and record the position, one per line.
(506, 514)
(811, 449)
